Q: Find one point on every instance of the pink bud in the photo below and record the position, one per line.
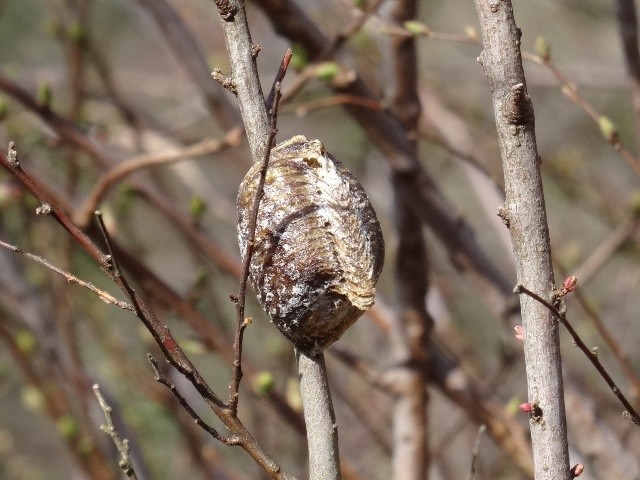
(577, 470)
(526, 407)
(519, 332)
(570, 283)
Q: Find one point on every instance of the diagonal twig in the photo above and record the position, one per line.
(242, 322)
(591, 355)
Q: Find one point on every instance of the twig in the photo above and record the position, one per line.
(160, 333)
(110, 178)
(592, 355)
(122, 444)
(241, 321)
(476, 451)
(104, 296)
(160, 378)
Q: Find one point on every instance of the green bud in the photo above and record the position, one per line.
(67, 426)
(44, 94)
(608, 129)
(25, 341)
(4, 108)
(327, 71)
(359, 3)
(543, 50)
(197, 208)
(417, 28)
(264, 383)
(512, 407)
(76, 33)
(300, 58)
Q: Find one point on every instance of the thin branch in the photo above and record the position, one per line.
(122, 445)
(628, 25)
(592, 355)
(241, 321)
(104, 296)
(476, 451)
(160, 378)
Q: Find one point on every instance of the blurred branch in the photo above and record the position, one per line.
(412, 324)
(628, 25)
(58, 407)
(111, 177)
(524, 215)
(189, 54)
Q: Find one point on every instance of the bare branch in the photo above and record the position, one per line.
(525, 216)
(122, 445)
(592, 354)
(104, 296)
(476, 451)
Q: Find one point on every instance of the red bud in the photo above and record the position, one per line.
(570, 283)
(526, 407)
(577, 470)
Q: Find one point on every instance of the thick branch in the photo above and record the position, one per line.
(524, 214)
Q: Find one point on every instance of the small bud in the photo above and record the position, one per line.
(519, 329)
(67, 426)
(264, 383)
(595, 351)
(44, 209)
(4, 108)
(417, 28)
(33, 398)
(300, 58)
(197, 208)
(608, 129)
(569, 283)
(542, 48)
(76, 33)
(359, 3)
(327, 71)
(526, 407)
(577, 470)
(44, 94)
(12, 155)
(26, 341)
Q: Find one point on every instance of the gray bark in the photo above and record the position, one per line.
(524, 214)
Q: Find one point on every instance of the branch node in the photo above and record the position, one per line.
(226, 9)
(44, 209)
(12, 155)
(517, 108)
(224, 81)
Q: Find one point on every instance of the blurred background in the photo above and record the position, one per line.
(86, 85)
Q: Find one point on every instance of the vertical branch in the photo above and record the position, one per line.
(525, 215)
(322, 429)
(412, 325)
(244, 74)
(628, 24)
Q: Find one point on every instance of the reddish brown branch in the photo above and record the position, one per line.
(591, 355)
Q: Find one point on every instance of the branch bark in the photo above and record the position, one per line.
(525, 216)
